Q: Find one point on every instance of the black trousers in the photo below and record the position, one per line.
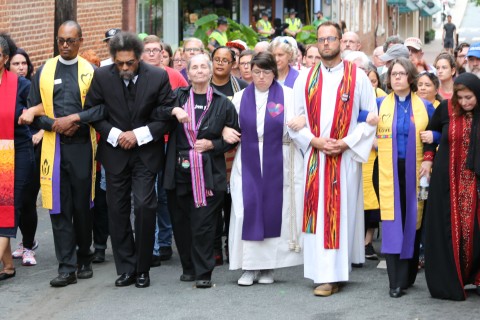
(100, 216)
(403, 272)
(132, 254)
(28, 214)
(72, 227)
(223, 221)
(194, 231)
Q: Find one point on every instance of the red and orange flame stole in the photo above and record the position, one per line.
(8, 101)
(340, 126)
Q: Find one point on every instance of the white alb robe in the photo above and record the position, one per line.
(270, 253)
(333, 265)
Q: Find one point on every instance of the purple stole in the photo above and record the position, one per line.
(262, 193)
(291, 77)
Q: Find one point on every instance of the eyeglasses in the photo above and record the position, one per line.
(129, 63)
(244, 64)
(192, 49)
(328, 39)
(178, 60)
(69, 41)
(154, 51)
(257, 72)
(222, 61)
(400, 74)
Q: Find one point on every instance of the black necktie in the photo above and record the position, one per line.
(131, 87)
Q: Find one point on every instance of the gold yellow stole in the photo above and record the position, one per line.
(85, 75)
(370, 201)
(385, 152)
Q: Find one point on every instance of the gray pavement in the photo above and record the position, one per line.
(29, 296)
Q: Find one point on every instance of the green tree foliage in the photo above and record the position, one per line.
(207, 24)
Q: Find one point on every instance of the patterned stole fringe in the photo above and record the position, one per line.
(235, 84)
(312, 180)
(200, 193)
(340, 125)
(463, 193)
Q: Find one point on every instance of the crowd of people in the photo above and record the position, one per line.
(296, 154)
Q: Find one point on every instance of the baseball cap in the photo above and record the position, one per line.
(395, 51)
(292, 11)
(222, 20)
(111, 33)
(415, 43)
(474, 50)
(264, 14)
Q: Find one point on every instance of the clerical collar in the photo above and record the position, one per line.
(333, 69)
(68, 62)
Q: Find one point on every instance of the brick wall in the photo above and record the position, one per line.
(96, 17)
(31, 24)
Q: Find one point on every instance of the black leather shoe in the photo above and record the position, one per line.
(85, 271)
(187, 277)
(156, 261)
(99, 256)
(125, 280)
(143, 280)
(64, 279)
(165, 253)
(396, 293)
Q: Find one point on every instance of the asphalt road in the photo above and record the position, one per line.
(29, 295)
(469, 30)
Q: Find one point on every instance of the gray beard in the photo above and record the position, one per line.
(126, 75)
(476, 71)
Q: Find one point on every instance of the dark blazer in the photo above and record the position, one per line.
(153, 93)
(221, 114)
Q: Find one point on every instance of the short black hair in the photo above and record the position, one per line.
(7, 45)
(224, 47)
(75, 24)
(27, 58)
(126, 41)
(266, 61)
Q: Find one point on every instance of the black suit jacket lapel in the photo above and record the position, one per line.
(140, 87)
(118, 87)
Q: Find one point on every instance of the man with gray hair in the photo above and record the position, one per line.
(131, 148)
(350, 41)
(191, 47)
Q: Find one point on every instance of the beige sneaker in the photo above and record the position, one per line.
(326, 289)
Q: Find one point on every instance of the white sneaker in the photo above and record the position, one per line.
(28, 258)
(266, 277)
(247, 278)
(18, 253)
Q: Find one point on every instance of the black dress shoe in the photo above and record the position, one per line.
(396, 293)
(125, 280)
(156, 261)
(99, 256)
(143, 280)
(187, 277)
(165, 253)
(85, 271)
(64, 279)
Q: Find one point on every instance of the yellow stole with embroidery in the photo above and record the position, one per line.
(388, 180)
(50, 146)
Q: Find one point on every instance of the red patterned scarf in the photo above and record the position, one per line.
(200, 193)
(340, 126)
(463, 193)
(8, 99)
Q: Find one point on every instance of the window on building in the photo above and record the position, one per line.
(150, 17)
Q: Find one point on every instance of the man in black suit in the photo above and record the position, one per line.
(131, 149)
